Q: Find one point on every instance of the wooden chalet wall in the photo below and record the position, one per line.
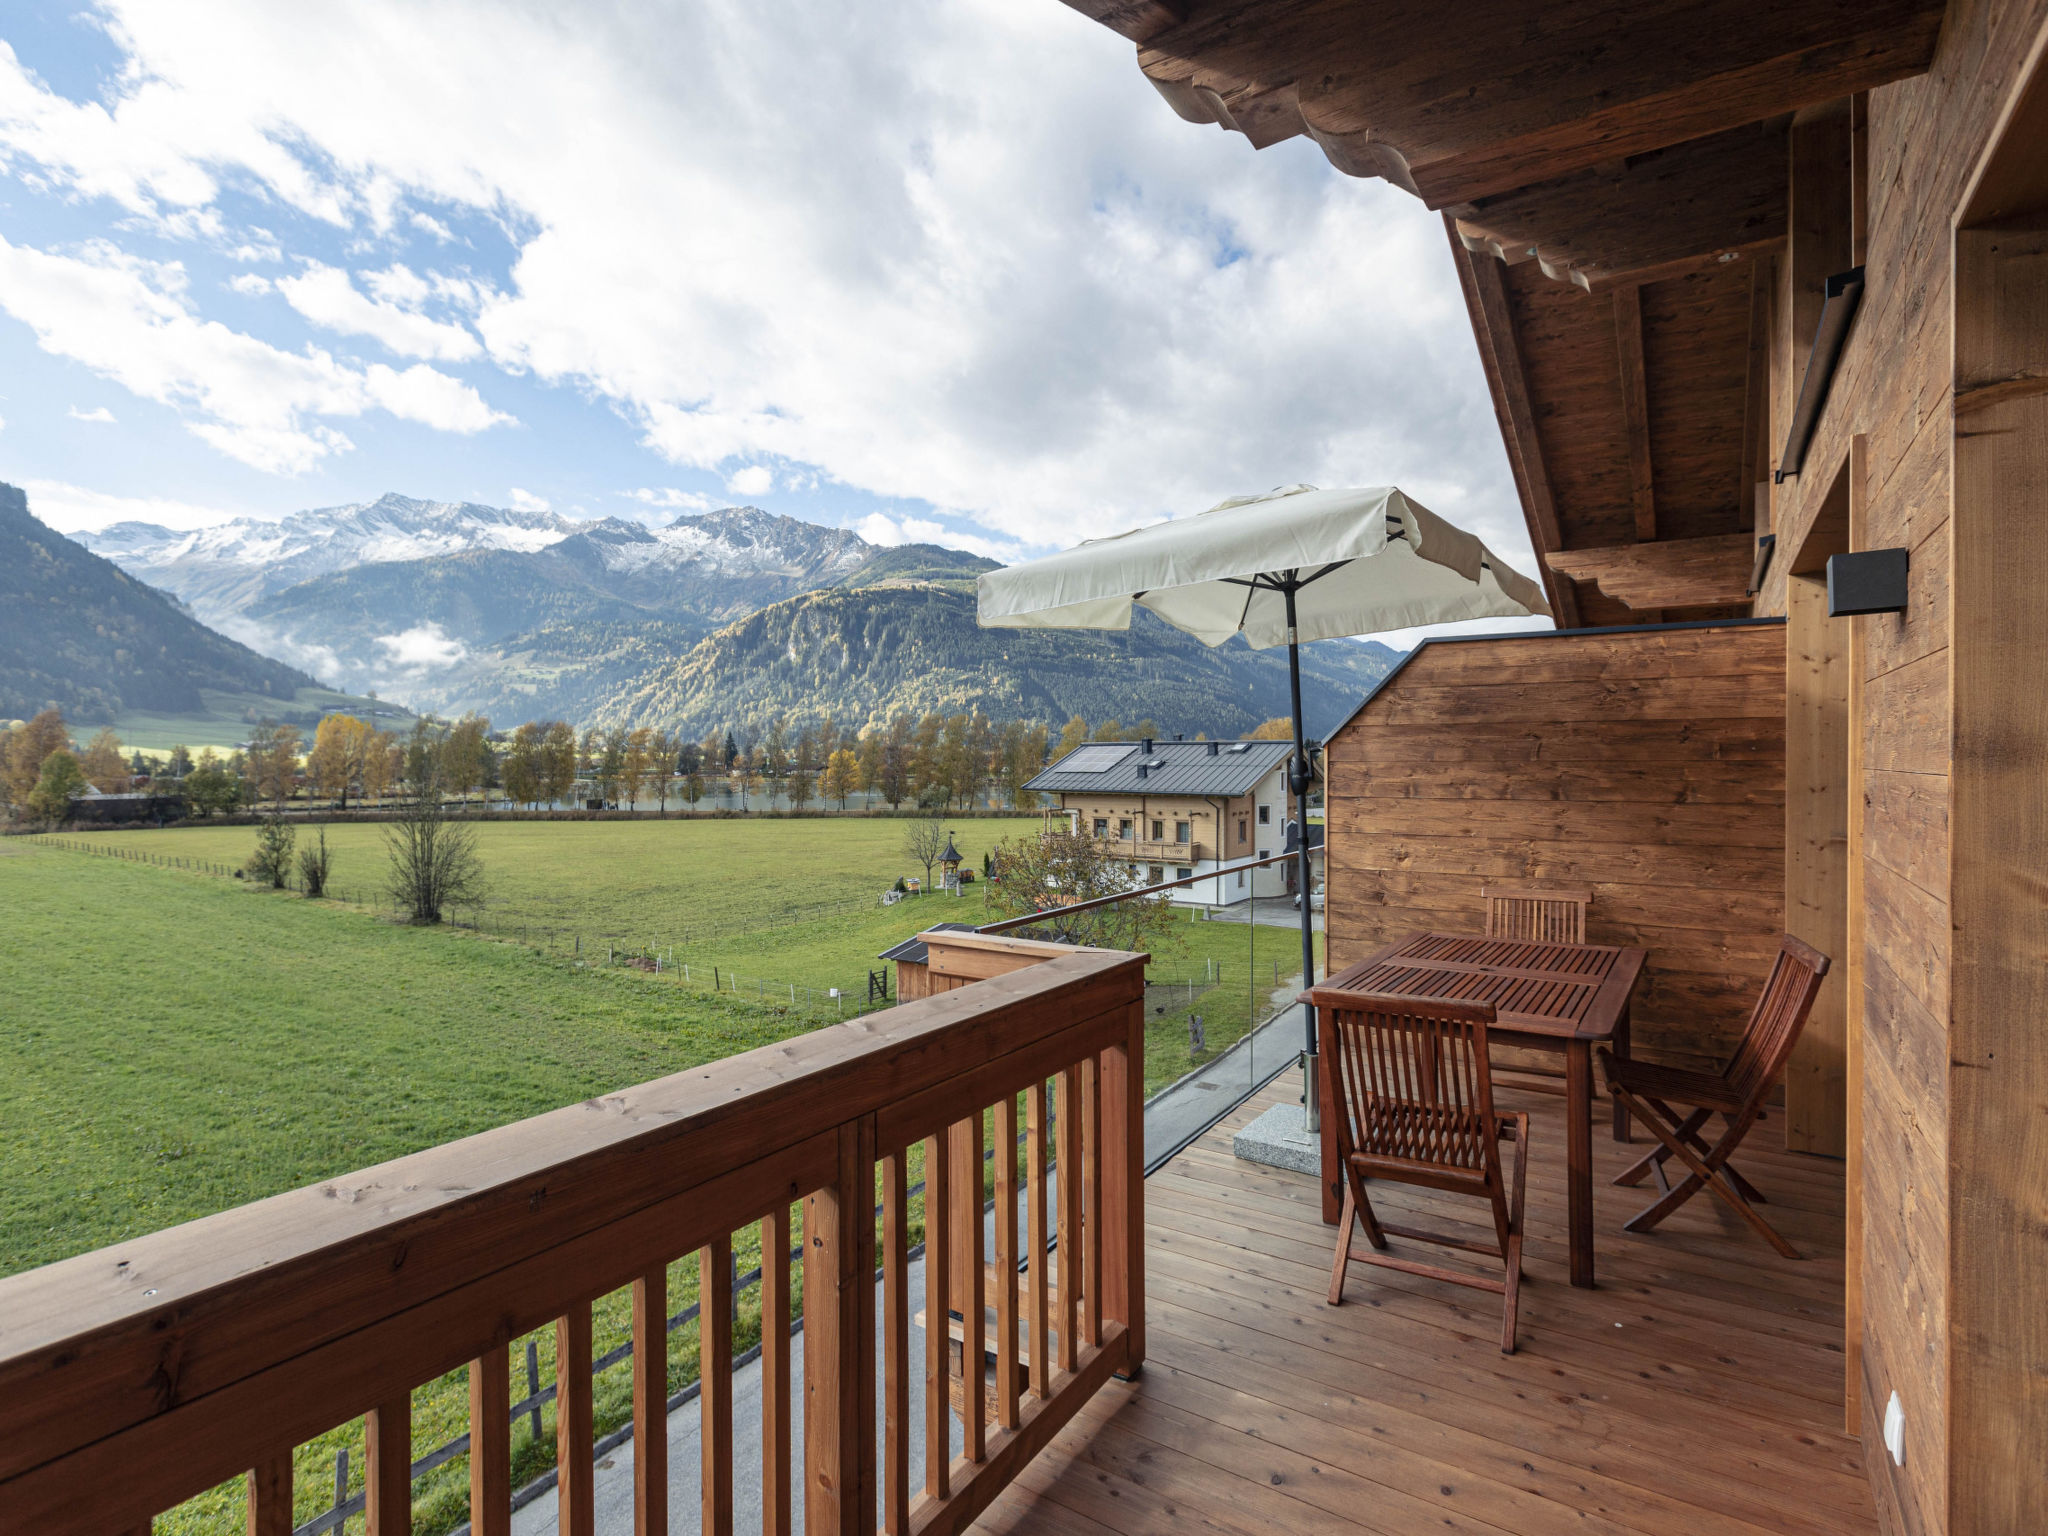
(1948, 920)
(1646, 763)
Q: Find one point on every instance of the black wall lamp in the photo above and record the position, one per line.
(1869, 581)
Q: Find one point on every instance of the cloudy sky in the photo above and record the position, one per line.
(940, 268)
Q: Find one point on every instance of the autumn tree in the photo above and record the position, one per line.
(340, 745)
(842, 776)
(869, 752)
(274, 761)
(26, 748)
(60, 779)
(1279, 728)
(103, 765)
(664, 749)
(558, 760)
(1044, 872)
(898, 762)
(636, 761)
(209, 787)
(522, 767)
(466, 756)
(380, 764)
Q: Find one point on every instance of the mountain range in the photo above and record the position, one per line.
(78, 632)
(720, 617)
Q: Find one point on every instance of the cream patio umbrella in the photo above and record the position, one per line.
(1295, 564)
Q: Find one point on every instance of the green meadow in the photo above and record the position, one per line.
(182, 1042)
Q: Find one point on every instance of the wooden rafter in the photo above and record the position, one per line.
(1671, 573)
(1384, 84)
(1635, 409)
(1493, 326)
(1656, 216)
(1752, 493)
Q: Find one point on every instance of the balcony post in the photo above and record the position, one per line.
(839, 1343)
(1122, 1070)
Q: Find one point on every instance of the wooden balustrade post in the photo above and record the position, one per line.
(970, 1289)
(714, 1364)
(387, 1468)
(270, 1496)
(775, 1499)
(839, 1352)
(490, 1443)
(650, 1404)
(575, 1455)
(1123, 1188)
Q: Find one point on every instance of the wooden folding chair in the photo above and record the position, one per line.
(1736, 1094)
(1546, 913)
(1412, 1101)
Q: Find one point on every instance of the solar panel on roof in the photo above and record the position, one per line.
(1094, 759)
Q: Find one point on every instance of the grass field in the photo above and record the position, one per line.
(186, 1043)
(781, 902)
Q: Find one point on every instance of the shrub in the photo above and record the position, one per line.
(316, 865)
(272, 860)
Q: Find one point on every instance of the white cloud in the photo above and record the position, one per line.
(73, 508)
(131, 321)
(250, 284)
(971, 259)
(669, 496)
(3, 423)
(326, 296)
(422, 647)
(526, 501)
(97, 413)
(880, 528)
(753, 480)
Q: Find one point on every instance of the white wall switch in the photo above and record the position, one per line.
(1895, 1430)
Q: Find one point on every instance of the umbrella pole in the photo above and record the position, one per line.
(1311, 1099)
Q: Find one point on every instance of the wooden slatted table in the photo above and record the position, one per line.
(1558, 997)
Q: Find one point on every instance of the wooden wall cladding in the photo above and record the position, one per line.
(1648, 764)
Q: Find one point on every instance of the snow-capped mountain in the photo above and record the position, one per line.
(716, 564)
(221, 570)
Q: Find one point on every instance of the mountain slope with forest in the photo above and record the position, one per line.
(871, 651)
(79, 633)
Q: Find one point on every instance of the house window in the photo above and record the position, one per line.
(1182, 873)
(1182, 832)
(1240, 879)
(1265, 816)
(1158, 831)
(1242, 832)
(1158, 873)
(1102, 826)
(1123, 830)
(1265, 854)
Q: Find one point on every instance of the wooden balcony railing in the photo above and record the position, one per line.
(137, 1376)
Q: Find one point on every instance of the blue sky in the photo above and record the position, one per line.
(950, 271)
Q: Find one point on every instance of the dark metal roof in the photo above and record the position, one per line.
(914, 950)
(1171, 768)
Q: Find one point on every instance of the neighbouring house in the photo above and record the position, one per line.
(1178, 809)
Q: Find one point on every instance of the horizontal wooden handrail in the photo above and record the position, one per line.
(140, 1374)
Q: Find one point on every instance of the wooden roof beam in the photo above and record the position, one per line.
(1635, 409)
(1672, 573)
(1508, 93)
(1684, 209)
(1493, 327)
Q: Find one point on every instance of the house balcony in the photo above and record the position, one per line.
(1192, 1373)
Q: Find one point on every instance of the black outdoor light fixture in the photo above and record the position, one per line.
(1869, 581)
(1840, 297)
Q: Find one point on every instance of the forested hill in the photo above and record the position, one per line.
(868, 652)
(79, 633)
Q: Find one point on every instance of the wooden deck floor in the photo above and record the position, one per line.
(1698, 1390)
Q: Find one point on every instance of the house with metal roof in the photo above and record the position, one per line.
(1182, 808)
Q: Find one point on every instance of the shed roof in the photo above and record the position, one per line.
(1172, 767)
(914, 950)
